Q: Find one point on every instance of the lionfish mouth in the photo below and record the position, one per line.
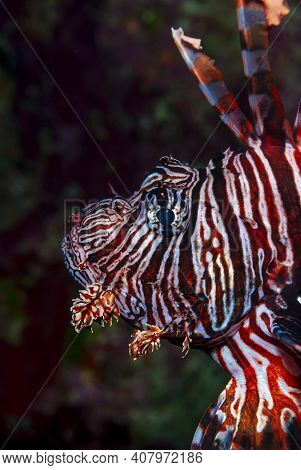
(96, 304)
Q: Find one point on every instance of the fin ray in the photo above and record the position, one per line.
(254, 18)
(212, 85)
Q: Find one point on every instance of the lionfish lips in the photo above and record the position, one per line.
(145, 340)
(94, 304)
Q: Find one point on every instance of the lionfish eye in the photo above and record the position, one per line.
(166, 217)
(166, 210)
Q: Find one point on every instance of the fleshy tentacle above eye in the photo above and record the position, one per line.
(254, 19)
(212, 84)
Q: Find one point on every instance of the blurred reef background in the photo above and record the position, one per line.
(80, 80)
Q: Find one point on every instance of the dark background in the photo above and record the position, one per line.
(118, 87)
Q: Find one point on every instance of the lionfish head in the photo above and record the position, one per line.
(125, 247)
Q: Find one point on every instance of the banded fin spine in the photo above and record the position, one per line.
(254, 18)
(212, 84)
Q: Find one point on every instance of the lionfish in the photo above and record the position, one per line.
(210, 258)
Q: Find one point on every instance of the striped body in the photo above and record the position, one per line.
(212, 257)
(260, 408)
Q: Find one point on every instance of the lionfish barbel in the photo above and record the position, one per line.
(210, 258)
